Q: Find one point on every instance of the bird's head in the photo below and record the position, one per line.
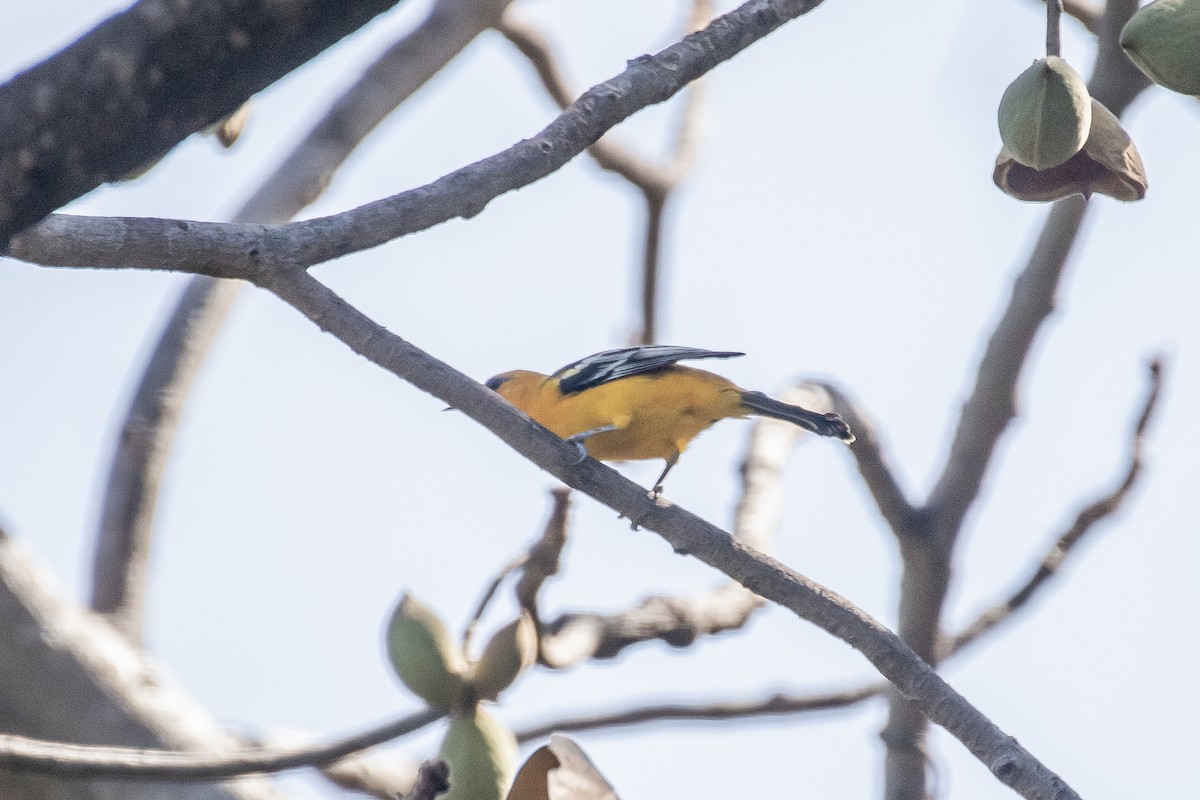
(517, 387)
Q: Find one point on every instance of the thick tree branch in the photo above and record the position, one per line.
(126, 520)
(66, 675)
(142, 81)
(992, 403)
(251, 251)
(122, 546)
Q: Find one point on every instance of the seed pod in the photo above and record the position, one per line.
(482, 754)
(1108, 164)
(508, 653)
(424, 655)
(560, 771)
(1045, 114)
(1163, 39)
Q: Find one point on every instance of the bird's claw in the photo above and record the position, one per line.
(581, 448)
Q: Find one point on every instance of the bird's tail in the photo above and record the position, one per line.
(821, 424)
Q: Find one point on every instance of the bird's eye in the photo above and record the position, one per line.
(494, 383)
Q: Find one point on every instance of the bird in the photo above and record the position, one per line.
(637, 403)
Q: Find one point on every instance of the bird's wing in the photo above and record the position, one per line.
(613, 364)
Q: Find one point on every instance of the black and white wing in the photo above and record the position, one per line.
(613, 364)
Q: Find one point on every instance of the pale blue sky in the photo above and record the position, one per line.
(840, 221)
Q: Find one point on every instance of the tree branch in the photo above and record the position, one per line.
(927, 547)
(537, 564)
(607, 153)
(894, 506)
(66, 675)
(776, 705)
(83, 761)
(992, 403)
(250, 251)
(1085, 522)
(988, 621)
(1087, 14)
(1054, 10)
(656, 183)
(680, 621)
(126, 520)
(239, 250)
(140, 82)
(896, 661)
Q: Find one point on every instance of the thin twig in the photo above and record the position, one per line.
(607, 153)
(652, 246)
(1087, 14)
(486, 598)
(1084, 523)
(776, 705)
(92, 761)
(657, 196)
(655, 182)
(1054, 11)
(544, 560)
(893, 504)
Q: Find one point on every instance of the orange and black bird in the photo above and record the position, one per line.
(638, 403)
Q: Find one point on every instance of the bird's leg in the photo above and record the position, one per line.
(578, 438)
(658, 484)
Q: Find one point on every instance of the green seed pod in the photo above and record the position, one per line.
(1163, 39)
(424, 655)
(482, 754)
(1045, 114)
(508, 653)
(1108, 164)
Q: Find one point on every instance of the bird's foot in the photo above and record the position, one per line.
(581, 448)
